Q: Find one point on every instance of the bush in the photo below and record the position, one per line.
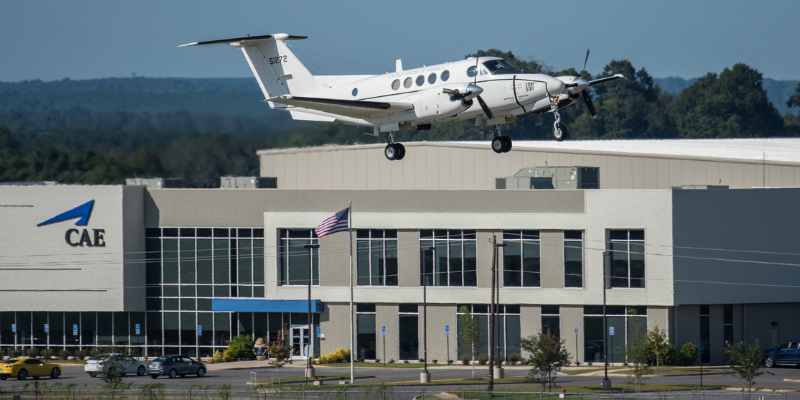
(47, 354)
(323, 359)
(405, 361)
(465, 359)
(449, 362)
(377, 360)
(2, 354)
(391, 361)
(339, 356)
(95, 352)
(240, 347)
(514, 358)
(435, 361)
(483, 359)
(218, 358)
(688, 354)
(63, 354)
(422, 360)
(32, 352)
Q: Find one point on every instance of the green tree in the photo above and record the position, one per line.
(469, 334)
(547, 354)
(661, 351)
(638, 354)
(731, 105)
(745, 363)
(794, 101)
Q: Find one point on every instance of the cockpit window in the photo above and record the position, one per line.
(498, 65)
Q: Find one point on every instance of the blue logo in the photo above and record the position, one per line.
(84, 211)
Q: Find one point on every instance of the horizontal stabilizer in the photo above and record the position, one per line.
(279, 36)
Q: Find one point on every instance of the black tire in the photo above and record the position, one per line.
(55, 373)
(154, 376)
(402, 150)
(93, 374)
(769, 362)
(22, 375)
(498, 144)
(201, 372)
(391, 152)
(562, 135)
(2, 378)
(173, 374)
(507, 144)
(36, 378)
(140, 371)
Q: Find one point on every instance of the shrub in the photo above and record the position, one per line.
(95, 352)
(377, 360)
(465, 359)
(514, 358)
(218, 358)
(240, 347)
(405, 361)
(483, 359)
(688, 354)
(449, 362)
(2, 354)
(391, 361)
(422, 360)
(80, 354)
(32, 352)
(47, 354)
(435, 361)
(323, 359)
(63, 354)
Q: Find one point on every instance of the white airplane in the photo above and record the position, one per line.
(406, 99)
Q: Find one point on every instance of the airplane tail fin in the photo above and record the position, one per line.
(276, 68)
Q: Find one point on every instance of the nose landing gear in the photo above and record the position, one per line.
(559, 130)
(393, 151)
(500, 144)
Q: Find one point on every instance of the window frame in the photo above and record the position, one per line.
(522, 240)
(447, 239)
(283, 243)
(628, 259)
(383, 269)
(581, 252)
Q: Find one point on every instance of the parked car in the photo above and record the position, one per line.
(173, 366)
(23, 367)
(128, 364)
(785, 353)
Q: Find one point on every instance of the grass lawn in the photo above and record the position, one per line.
(378, 365)
(587, 370)
(660, 371)
(517, 393)
(310, 380)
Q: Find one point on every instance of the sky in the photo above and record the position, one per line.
(81, 39)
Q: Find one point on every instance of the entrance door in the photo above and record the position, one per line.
(302, 345)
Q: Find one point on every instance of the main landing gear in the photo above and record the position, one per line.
(559, 130)
(500, 144)
(393, 151)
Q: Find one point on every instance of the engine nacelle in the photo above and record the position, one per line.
(434, 104)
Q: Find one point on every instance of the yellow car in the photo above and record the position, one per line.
(22, 368)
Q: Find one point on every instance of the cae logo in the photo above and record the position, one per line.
(84, 211)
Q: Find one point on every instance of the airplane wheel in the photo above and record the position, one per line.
(498, 144)
(391, 152)
(401, 151)
(561, 133)
(507, 143)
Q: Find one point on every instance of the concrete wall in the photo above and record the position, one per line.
(42, 272)
(439, 315)
(468, 166)
(552, 259)
(572, 316)
(335, 324)
(387, 315)
(736, 246)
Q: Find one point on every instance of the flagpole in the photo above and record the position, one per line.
(352, 346)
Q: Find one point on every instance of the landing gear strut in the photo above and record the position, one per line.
(559, 130)
(500, 144)
(393, 151)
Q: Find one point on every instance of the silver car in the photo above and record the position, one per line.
(129, 365)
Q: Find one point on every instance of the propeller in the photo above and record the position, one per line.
(584, 93)
(486, 110)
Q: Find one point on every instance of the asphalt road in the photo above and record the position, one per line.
(238, 378)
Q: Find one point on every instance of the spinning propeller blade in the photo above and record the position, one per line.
(584, 62)
(486, 110)
(589, 105)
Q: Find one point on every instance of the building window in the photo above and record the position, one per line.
(629, 324)
(705, 334)
(295, 258)
(521, 260)
(365, 331)
(627, 258)
(507, 329)
(727, 328)
(573, 259)
(551, 321)
(409, 331)
(377, 257)
(448, 258)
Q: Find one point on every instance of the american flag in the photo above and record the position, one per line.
(335, 223)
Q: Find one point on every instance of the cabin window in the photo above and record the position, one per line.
(408, 82)
(471, 71)
(445, 76)
(355, 92)
(432, 78)
(420, 80)
(396, 84)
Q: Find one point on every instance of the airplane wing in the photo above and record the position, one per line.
(349, 108)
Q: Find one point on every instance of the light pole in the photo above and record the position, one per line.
(606, 384)
(309, 367)
(425, 376)
(492, 349)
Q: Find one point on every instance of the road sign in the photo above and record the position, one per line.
(611, 330)
(13, 327)
(383, 330)
(199, 330)
(447, 330)
(700, 348)
(576, 330)
(47, 327)
(138, 329)
(75, 330)
(319, 331)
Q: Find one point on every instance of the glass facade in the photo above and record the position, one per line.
(705, 333)
(294, 257)
(727, 328)
(627, 258)
(521, 259)
(377, 257)
(448, 258)
(366, 338)
(551, 321)
(409, 331)
(573, 259)
(628, 324)
(507, 329)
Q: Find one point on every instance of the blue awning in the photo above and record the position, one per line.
(263, 305)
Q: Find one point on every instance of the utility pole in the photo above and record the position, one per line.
(309, 367)
(606, 384)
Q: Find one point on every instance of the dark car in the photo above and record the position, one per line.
(173, 366)
(785, 353)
